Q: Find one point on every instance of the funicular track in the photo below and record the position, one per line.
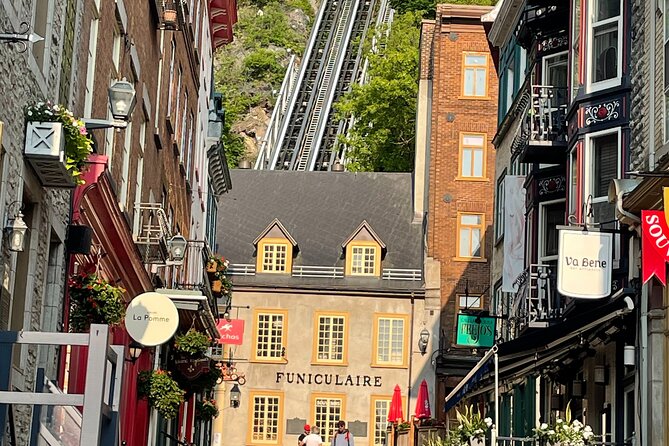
(331, 63)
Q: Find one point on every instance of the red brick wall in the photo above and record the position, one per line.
(458, 30)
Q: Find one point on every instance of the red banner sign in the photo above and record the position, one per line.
(232, 331)
(654, 246)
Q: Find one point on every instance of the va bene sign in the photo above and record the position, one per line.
(476, 331)
(151, 319)
(584, 263)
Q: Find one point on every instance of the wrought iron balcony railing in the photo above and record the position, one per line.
(151, 231)
(537, 301)
(542, 136)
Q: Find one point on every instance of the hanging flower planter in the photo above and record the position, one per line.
(93, 300)
(192, 343)
(57, 144)
(170, 15)
(163, 392)
(206, 409)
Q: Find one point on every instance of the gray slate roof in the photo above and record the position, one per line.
(320, 210)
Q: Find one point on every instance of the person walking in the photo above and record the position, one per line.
(342, 436)
(314, 438)
(300, 439)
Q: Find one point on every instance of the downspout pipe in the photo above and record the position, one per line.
(651, 90)
(410, 357)
(643, 367)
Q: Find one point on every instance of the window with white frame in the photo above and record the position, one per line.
(575, 46)
(467, 302)
(184, 131)
(605, 43)
(178, 103)
(170, 100)
(603, 155)
(125, 168)
(42, 26)
(555, 75)
(116, 49)
(90, 66)
(499, 207)
(551, 215)
(380, 409)
(510, 79)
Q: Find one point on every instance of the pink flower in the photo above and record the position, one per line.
(82, 130)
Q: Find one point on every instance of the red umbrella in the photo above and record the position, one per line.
(395, 413)
(423, 402)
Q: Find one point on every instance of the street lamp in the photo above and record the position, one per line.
(135, 350)
(122, 99)
(235, 395)
(16, 229)
(176, 248)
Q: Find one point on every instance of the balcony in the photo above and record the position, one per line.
(541, 18)
(151, 232)
(171, 14)
(537, 303)
(542, 137)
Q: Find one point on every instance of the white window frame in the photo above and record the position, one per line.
(116, 50)
(544, 67)
(90, 65)
(589, 172)
(572, 181)
(608, 83)
(665, 80)
(170, 92)
(544, 259)
(279, 317)
(336, 353)
(43, 68)
(499, 207)
(468, 302)
(510, 84)
(574, 62)
(125, 168)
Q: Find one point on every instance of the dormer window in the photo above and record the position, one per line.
(275, 249)
(363, 251)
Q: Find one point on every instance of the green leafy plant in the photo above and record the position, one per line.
(93, 300)
(220, 266)
(206, 409)
(565, 431)
(193, 342)
(403, 426)
(78, 145)
(163, 392)
(471, 424)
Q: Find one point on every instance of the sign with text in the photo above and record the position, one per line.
(232, 331)
(151, 319)
(654, 244)
(476, 331)
(584, 263)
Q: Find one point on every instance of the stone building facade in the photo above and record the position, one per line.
(456, 122)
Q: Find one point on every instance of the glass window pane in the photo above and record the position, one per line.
(606, 9)
(466, 162)
(605, 154)
(605, 52)
(480, 82)
(470, 219)
(472, 140)
(478, 163)
(475, 59)
(476, 243)
(469, 82)
(464, 242)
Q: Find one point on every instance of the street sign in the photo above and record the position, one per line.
(476, 331)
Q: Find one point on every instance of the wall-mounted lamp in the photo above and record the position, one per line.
(135, 350)
(235, 395)
(16, 228)
(600, 374)
(629, 354)
(176, 248)
(122, 99)
(423, 340)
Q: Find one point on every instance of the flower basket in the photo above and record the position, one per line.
(216, 286)
(93, 300)
(57, 144)
(192, 343)
(205, 410)
(163, 392)
(476, 442)
(217, 267)
(564, 432)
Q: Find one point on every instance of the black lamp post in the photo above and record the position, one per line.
(135, 350)
(235, 395)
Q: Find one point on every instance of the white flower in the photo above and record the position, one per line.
(488, 421)
(30, 113)
(543, 426)
(558, 420)
(551, 432)
(588, 428)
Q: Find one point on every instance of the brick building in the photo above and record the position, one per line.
(457, 113)
(148, 182)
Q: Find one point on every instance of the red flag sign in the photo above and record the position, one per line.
(232, 331)
(654, 246)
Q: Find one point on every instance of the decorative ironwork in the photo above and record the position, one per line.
(230, 373)
(553, 43)
(551, 185)
(21, 37)
(606, 111)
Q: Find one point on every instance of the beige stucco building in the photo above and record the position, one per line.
(328, 279)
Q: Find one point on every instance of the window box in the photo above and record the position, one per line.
(45, 151)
